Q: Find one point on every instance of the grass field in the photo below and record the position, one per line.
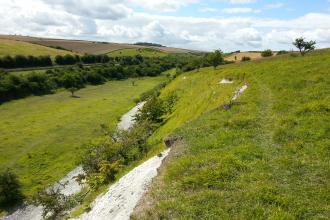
(12, 47)
(41, 138)
(265, 158)
(145, 52)
(239, 56)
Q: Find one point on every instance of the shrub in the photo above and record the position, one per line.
(10, 189)
(267, 53)
(281, 52)
(246, 58)
(54, 203)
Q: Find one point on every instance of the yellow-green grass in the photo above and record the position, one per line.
(145, 52)
(41, 138)
(13, 47)
(265, 158)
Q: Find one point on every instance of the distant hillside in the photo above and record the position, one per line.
(89, 47)
(15, 47)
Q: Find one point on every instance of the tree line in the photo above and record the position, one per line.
(21, 61)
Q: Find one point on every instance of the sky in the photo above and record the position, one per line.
(228, 25)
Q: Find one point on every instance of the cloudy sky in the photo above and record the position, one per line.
(204, 25)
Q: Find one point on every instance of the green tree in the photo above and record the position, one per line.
(304, 46)
(72, 82)
(216, 58)
(10, 189)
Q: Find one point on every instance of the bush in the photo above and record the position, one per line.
(54, 203)
(267, 53)
(281, 52)
(246, 58)
(10, 189)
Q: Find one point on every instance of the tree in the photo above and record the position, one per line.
(10, 189)
(267, 53)
(304, 46)
(215, 58)
(72, 82)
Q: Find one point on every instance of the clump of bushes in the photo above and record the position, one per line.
(245, 58)
(267, 53)
(54, 203)
(281, 52)
(10, 189)
(106, 158)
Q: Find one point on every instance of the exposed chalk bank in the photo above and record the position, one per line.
(127, 120)
(226, 81)
(122, 197)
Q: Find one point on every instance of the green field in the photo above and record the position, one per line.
(265, 158)
(12, 48)
(145, 52)
(41, 137)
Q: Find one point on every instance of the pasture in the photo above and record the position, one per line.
(145, 52)
(42, 137)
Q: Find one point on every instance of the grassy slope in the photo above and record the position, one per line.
(12, 47)
(41, 137)
(267, 157)
(145, 52)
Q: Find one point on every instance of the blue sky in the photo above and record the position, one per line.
(263, 9)
(203, 25)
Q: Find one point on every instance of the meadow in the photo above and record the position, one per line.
(13, 47)
(43, 137)
(145, 52)
(267, 157)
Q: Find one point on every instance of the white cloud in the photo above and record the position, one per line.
(163, 5)
(38, 18)
(240, 10)
(100, 9)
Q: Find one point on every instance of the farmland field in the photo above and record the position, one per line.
(12, 47)
(41, 137)
(266, 157)
(145, 52)
(89, 47)
(252, 55)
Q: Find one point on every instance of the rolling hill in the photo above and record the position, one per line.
(266, 156)
(89, 47)
(15, 47)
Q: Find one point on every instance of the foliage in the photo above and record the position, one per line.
(54, 203)
(215, 58)
(244, 58)
(72, 82)
(304, 46)
(20, 61)
(281, 52)
(10, 189)
(267, 53)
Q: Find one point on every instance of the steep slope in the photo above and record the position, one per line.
(265, 157)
